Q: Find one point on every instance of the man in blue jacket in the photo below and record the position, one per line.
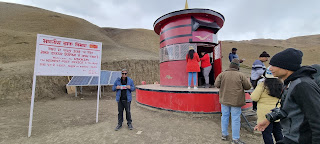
(234, 55)
(300, 110)
(124, 86)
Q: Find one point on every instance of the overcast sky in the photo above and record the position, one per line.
(244, 19)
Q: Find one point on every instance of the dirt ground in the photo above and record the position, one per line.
(68, 119)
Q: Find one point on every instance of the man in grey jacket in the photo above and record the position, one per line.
(300, 99)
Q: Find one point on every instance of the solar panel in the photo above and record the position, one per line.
(105, 75)
(114, 76)
(80, 80)
(106, 78)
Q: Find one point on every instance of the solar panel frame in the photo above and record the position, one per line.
(114, 76)
(106, 78)
(80, 81)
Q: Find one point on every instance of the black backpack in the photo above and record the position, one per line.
(316, 76)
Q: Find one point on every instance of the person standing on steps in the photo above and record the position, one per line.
(206, 67)
(193, 68)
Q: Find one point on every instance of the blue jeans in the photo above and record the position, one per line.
(194, 75)
(235, 118)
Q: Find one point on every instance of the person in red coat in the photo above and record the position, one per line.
(192, 66)
(206, 67)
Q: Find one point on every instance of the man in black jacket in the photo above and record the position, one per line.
(300, 99)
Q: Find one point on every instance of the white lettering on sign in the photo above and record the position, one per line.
(59, 56)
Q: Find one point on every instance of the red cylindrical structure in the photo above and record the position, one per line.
(180, 29)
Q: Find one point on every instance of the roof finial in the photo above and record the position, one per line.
(186, 6)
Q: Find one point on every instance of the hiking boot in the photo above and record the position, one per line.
(238, 141)
(130, 126)
(118, 127)
(224, 137)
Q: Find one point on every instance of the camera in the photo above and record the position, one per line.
(275, 114)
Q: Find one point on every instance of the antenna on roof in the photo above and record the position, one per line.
(186, 6)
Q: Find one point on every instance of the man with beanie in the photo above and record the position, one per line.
(300, 99)
(232, 84)
(257, 71)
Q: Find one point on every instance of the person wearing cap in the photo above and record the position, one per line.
(124, 86)
(267, 94)
(299, 112)
(234, 55)
(231, 84)
(193, 67)
(257, 71)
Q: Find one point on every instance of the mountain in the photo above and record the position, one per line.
(20, 25)
(251, 49)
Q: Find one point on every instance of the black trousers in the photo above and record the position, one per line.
(254, 85)
(275, 129)
(123, 104)
(254, 105)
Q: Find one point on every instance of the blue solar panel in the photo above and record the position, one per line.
(114, 76)
(80, 81)
(105, 76)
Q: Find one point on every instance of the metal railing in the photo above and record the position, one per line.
(175, 52)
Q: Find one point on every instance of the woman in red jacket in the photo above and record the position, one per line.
(206, 67)
(192, 66)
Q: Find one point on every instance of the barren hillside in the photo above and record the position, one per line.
(142, 39)
(18, 30)
(309, 45)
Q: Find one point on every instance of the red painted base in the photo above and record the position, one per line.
(181, 99)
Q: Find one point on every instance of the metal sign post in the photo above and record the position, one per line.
(32, 104)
